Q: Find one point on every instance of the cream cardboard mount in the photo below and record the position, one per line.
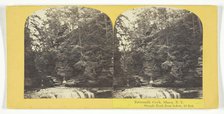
(112, 57)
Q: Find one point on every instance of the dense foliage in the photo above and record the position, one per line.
(160, 44)
(77, 46)
(72, 44)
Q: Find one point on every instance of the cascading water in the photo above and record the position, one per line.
(169, 93)
(147, 92)
(60, 92)
(137, 92)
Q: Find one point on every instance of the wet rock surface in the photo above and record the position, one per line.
(131, 92)
(59, 92)
(146, 92)
(158, 92)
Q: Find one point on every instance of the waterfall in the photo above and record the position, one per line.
(80, 93)
(174, 93)
(169, 93)
(146, 92)
(59, 92)
(137, 92)
(88, 94)
(166, 94)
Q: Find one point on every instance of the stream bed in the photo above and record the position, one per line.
(107, 92)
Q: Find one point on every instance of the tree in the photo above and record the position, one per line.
(71, 43)
(164, 42)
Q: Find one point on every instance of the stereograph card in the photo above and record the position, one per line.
(112, 57)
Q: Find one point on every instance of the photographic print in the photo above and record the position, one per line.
(68, 54)
(159, 54)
